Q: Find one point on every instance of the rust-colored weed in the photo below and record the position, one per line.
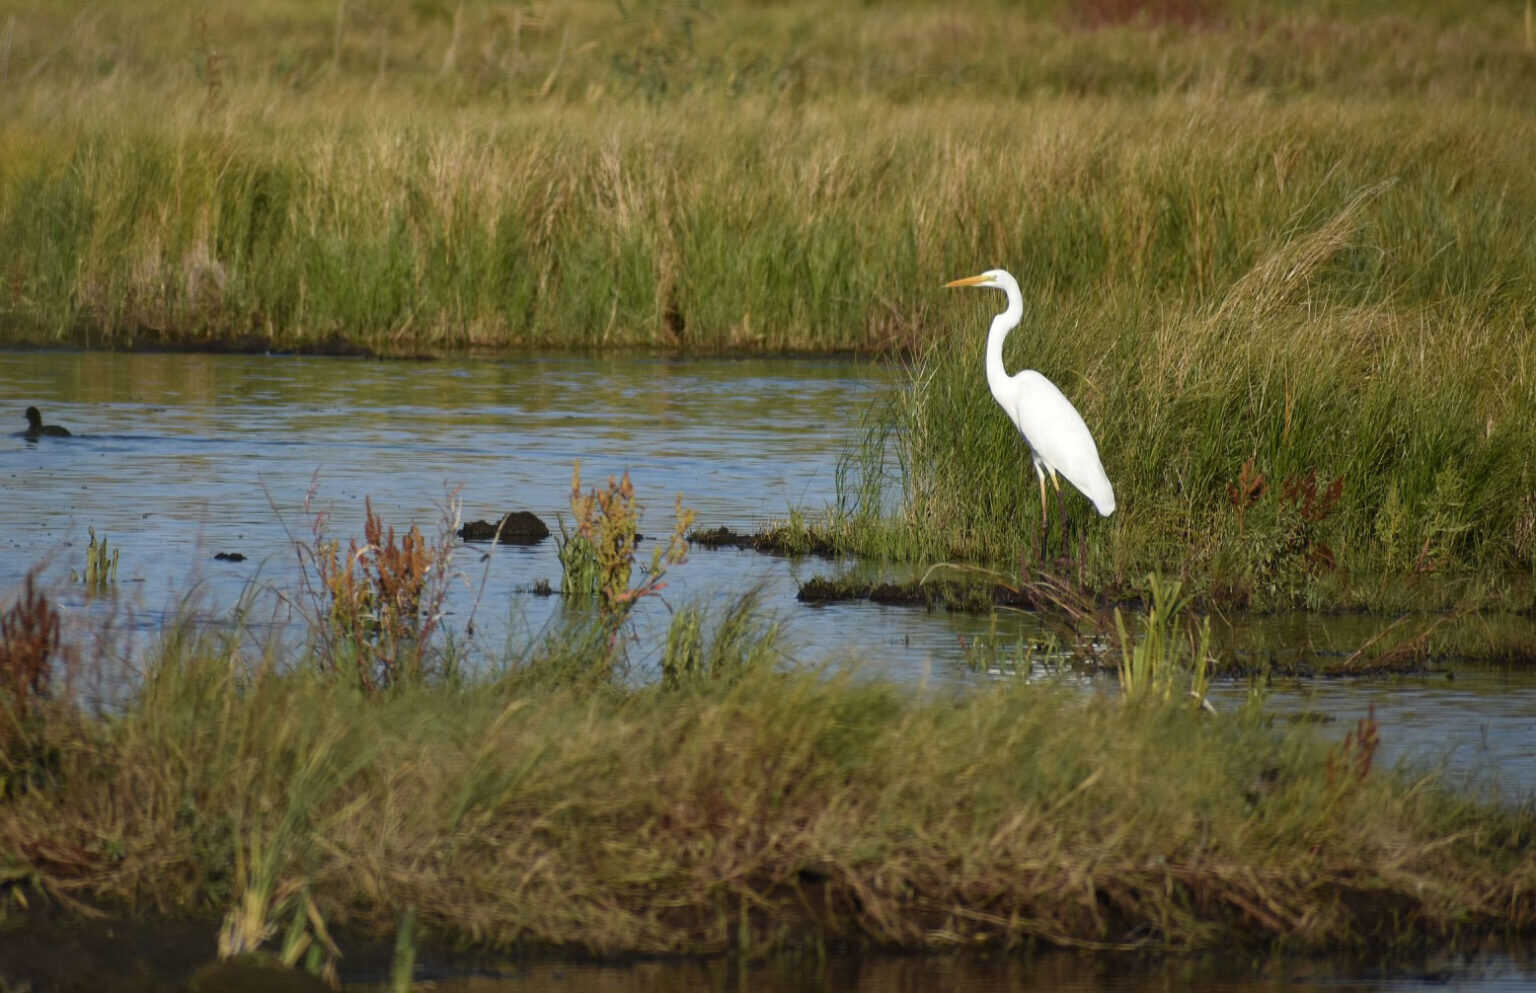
(29, 636)
(375, 599)
(1314, 506)
(1351, 759)
(1302, 492)
(1244, 493)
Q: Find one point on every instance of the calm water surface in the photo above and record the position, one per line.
(178, 457)
(1063, 972)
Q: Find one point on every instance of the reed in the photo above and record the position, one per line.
(1166, 653)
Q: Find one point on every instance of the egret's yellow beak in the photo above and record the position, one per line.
(968, 281)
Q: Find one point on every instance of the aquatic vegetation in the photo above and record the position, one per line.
(597, 558)
(1165, 655)
(380, 603)
(738, 642)
(100, 565)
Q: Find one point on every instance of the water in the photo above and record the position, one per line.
(178, 457)
(1070, 973)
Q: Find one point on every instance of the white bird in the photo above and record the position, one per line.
(1059, 441)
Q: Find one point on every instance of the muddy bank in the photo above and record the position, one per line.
(774, 541)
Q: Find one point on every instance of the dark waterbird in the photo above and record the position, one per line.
(37, 429)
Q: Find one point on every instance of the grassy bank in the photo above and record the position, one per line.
(406, 178)
(542, 804)
(1288, 238)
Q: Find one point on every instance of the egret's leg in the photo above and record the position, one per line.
(1045, 530)
(1061, 511)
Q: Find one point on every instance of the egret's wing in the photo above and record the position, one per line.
(1056, 432)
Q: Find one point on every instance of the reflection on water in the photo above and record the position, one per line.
(995, 974)
(178, 457)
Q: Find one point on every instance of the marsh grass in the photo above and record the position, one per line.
(759, 812)
(743, 178)
(1292, 239)
(1170, 653)
(1380, 455)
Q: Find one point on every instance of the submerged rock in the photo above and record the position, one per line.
(520, 527)
(253, 975)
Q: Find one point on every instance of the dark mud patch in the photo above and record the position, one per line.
(519, 527)
(774, 541)
(51, 949)
(1087, 618)
(55, 951)
(965, 597)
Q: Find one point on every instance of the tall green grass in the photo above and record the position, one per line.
(1324, 314)
(362, 176)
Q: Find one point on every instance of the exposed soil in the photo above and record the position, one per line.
(518, 527)
(776, 542)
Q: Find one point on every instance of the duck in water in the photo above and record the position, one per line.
(37, 429)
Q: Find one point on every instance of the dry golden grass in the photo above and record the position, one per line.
(779, 809)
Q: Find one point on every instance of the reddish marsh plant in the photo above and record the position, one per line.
(383, 599)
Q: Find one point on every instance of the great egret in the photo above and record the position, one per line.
(1057, 437)
(37, 429)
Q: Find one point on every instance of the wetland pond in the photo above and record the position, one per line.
(176, 458)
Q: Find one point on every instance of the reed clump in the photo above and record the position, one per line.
(100, 572)
(1171, 653)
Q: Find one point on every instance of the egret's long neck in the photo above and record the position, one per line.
(997, 376)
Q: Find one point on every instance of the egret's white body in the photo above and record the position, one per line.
(1059, 441)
